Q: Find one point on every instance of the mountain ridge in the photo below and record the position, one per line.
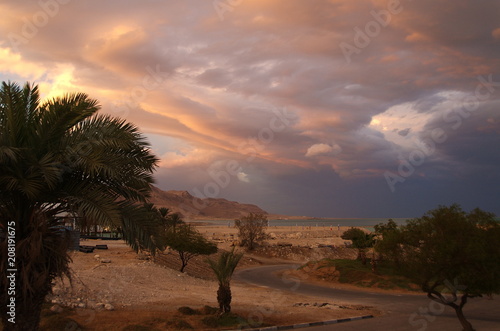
(195, 208)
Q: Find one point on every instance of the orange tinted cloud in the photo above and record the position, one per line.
(213, 84)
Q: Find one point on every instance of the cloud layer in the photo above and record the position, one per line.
(366, 108)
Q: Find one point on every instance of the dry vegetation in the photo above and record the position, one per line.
(133, 292)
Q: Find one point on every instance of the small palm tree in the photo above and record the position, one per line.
(223, 269)
(57, 158)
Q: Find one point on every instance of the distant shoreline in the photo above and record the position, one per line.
(308, 222)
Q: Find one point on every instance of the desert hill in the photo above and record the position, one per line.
(195, 208)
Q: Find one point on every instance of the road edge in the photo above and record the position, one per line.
(306, 325)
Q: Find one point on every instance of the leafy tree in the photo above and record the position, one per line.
(167, 219)
(188, 243)
(387, 243)
(223, 269)
(251, 229)
(454, 255)
(62, 157)
(360, 240)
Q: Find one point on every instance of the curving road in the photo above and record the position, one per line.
(403, 312)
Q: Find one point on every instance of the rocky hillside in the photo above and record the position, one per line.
(195, 208)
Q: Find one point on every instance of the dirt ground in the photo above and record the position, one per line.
(115, 288)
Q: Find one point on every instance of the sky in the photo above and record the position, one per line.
(322, 108)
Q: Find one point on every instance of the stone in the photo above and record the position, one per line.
(109, 306)
(56, 309)
(105, 261)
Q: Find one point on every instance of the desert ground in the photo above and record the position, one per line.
(115, 288)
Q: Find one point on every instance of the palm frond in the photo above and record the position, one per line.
(141, 228)
(224, 267)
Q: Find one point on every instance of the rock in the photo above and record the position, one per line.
(109, 306)
(105, 261)
(56, 309)
(97, 256)
(99, 305)
(81, 305)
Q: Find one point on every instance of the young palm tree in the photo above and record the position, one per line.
(223, 269)
(61, 157)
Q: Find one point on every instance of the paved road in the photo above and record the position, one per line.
(403, 312)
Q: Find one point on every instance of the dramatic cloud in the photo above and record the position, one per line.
(328, 108)
(323, 149)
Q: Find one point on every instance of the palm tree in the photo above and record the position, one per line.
(223, 269)
(60, 157)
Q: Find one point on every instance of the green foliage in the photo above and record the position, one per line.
(449, 250)
(207, 310)
(188, 243)
(356, 273)
(381, 229)
(184, 310)
(251, 229)
(360, 240)
(169, 220)
(224, 320)
(224, 268)
(62, 157)
(226, 264)
(448, 243)
(387, 244)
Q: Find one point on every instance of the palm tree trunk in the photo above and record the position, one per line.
(27, 317)
(40, 257)
(28, 307)
(224, 298)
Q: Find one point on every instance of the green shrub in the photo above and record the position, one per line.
(188, 311)
(207, 310)
(225, 320)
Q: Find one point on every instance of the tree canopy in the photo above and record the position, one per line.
(251, 229)
(450, 246)
(360, 240)
(61, 157)
(188, 243)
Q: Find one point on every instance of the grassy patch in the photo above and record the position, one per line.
(226, 320)
(207, 310)
(355, 273)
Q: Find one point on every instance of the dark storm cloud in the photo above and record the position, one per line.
(216, 80)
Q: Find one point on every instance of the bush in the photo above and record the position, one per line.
(188, 311)
(207, 310)
(226, 320)
(251, 229)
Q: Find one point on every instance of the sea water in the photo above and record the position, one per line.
(318, 222)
